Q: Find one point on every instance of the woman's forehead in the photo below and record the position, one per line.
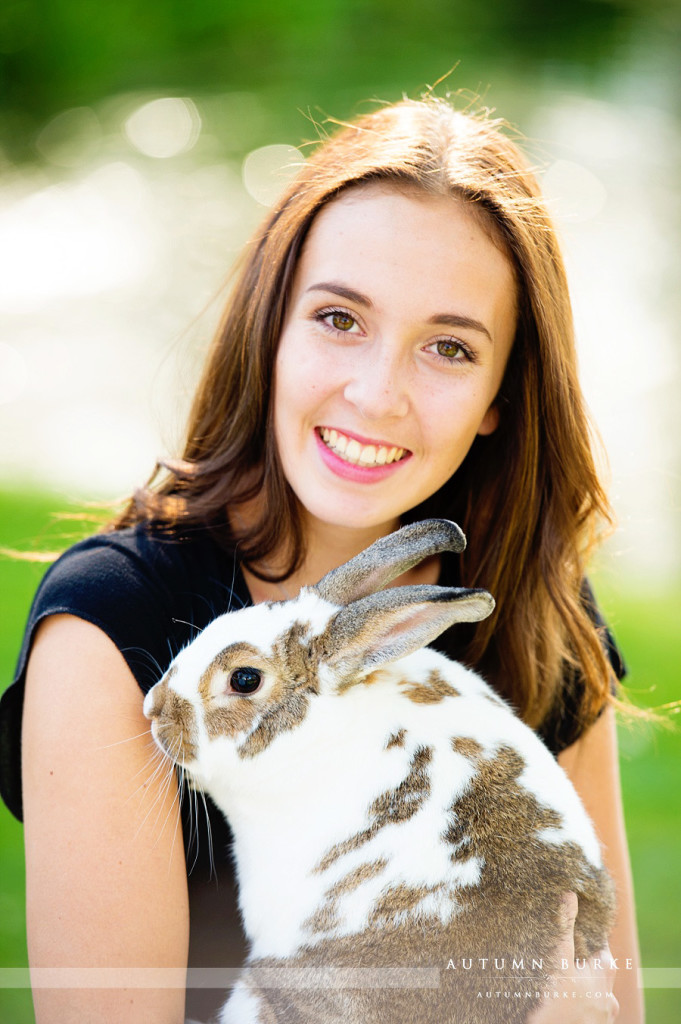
(361, 192)
(350, 209)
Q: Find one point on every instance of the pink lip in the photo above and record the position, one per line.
(358, 474)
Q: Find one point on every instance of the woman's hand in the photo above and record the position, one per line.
(578, 996)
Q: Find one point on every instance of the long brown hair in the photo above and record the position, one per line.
(528, 496)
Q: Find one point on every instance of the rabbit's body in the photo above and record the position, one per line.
(400, 816)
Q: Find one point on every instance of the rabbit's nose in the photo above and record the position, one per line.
(173, 722)
(155, 699)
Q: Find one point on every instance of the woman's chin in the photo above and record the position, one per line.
(352, 509)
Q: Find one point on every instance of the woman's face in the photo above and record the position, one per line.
(400, 324)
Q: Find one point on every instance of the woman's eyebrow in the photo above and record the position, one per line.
(458, 320)
(341, 289)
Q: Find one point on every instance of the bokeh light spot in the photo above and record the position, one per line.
(165, 127)
(267, 170)
(573, 191)
(71, 138)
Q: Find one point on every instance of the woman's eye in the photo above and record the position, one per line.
(338, 320)
(450, 350)
(245, 680)
(342, 322)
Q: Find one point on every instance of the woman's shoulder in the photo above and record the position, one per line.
(136, 555)
(143, 588)
(140, 559)
(98, 568)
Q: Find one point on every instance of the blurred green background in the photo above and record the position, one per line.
(139, 145)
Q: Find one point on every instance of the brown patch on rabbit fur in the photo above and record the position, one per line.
(399, 900)
(294, 662)
(497, 818)
(297, 655)
(470, 748)
(506, 916)
(325, 919)
(396, 739)
(359, 680)
(432, 691)
(392, 806)
(274, 721)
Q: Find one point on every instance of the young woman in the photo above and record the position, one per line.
(398, 345)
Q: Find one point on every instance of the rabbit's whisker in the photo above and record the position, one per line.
(183, 622)
(194, 828)
(175, 800)
(155, 763)
(209, 831)
(149, 656)
(128, 739)
(161, 786)
(178, 796)
(232, 595)
(160, 759)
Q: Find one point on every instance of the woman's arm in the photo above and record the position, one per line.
(593, 766)
(105, 870)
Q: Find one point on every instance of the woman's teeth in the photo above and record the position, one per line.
(360, 454)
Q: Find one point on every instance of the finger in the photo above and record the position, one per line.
(606, 1008)
(601, 981)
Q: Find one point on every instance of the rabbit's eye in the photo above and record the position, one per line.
(245, 680)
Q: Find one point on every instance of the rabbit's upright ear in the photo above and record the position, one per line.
(384, 627)
(389, 557)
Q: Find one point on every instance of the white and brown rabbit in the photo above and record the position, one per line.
(389, 809)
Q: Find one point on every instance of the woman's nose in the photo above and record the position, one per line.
(378, 387)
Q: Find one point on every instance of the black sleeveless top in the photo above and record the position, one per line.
(150, 594)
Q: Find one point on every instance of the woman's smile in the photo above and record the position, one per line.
(361, 451)
(401, 321)
(362, 461)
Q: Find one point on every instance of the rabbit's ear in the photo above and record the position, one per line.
(384, 627)
(388, 558)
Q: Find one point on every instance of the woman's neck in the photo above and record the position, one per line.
(327, 547)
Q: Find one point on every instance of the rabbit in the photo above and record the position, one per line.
(399, 834)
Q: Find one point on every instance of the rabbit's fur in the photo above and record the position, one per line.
(389, 810)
